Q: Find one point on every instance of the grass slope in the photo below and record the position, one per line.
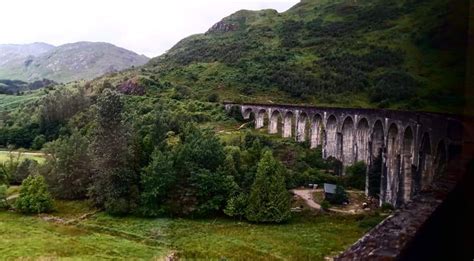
(12, 102)
(102, 236)
(30, 237)
(370, 53)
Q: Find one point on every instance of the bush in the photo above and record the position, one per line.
(236, 206)
(387, 207)
(325, 205)
(213, 97)
(38, 142)
(24, 169)
(355, 175)
(34, 196)
(314, 176)
(339, 197)
(4, 175)
(3, 196)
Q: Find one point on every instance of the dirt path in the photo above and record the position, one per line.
(307, 196)
(12, 197)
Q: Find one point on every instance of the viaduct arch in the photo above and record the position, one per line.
(410, 149)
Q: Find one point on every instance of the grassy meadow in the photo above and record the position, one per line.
(5, 156)
(12, 102)
(308, 236)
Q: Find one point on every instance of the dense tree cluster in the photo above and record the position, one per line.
(154, 160)
(50, 115)
(17, 87)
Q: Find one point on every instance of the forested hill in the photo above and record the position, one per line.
(368, 53)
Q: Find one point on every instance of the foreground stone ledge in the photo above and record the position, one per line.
(388, 239)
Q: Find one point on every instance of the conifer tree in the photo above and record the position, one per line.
(114, 184)
(269, 200)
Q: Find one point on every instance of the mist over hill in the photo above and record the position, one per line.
(69, 62)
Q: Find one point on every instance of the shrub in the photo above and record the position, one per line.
(4, 175)
(339, 197)
(213, 97)
(34, 196)
(355, 175)
(325, 205)
(236, 206)
(387, 207)
(3, 196)
(24, 169)
(38, 142)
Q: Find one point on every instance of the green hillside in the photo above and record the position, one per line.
(369, 53)
(12, 102)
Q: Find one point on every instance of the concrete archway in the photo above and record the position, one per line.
(302, 127)
(377, 139)
(440, 161)
(425, 160)
(275, 123)
(362, 140)
(249, 117)
(348, 141)
(331, 136)
(261, 119)
(316, 131)
(288, 124)
(406, 176)
(247, 113)
(393, 165)
(376, 144)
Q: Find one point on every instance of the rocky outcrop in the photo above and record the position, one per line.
(223, 27)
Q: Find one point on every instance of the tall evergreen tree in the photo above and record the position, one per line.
(269, 201)
(114, 184)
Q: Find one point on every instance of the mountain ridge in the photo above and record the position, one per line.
(68, 62)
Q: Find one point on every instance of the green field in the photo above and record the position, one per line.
(5, 155)
(305, 237)
(12, 102)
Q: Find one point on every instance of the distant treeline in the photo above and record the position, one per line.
(12, 87)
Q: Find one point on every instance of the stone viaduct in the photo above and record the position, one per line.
(413, 148)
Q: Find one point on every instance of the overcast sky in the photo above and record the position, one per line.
(147, 27)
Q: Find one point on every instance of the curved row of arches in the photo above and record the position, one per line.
(405, 168)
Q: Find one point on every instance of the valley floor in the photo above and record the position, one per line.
(308, 236)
